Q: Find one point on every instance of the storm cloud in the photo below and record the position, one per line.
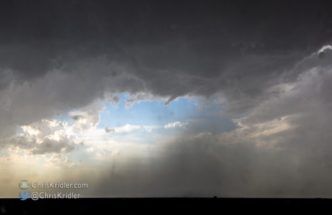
(268, 62)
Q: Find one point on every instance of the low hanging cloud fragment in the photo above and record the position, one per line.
(170, 100)
(139, 97)
(109, 130)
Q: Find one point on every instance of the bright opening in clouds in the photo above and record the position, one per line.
(167, 99)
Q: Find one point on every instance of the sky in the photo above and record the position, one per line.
(167, 98)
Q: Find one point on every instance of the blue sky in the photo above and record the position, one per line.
(192, 112)
(155, 113)
(146, 113)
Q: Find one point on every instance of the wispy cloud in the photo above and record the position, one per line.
(130, 128)
(176, 124)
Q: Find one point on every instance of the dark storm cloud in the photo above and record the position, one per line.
(175, 48)
(321, 55)
(58, 92)
(56, 56)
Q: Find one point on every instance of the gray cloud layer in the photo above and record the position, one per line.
(237, 49)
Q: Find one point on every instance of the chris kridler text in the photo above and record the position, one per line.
(59, 185)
